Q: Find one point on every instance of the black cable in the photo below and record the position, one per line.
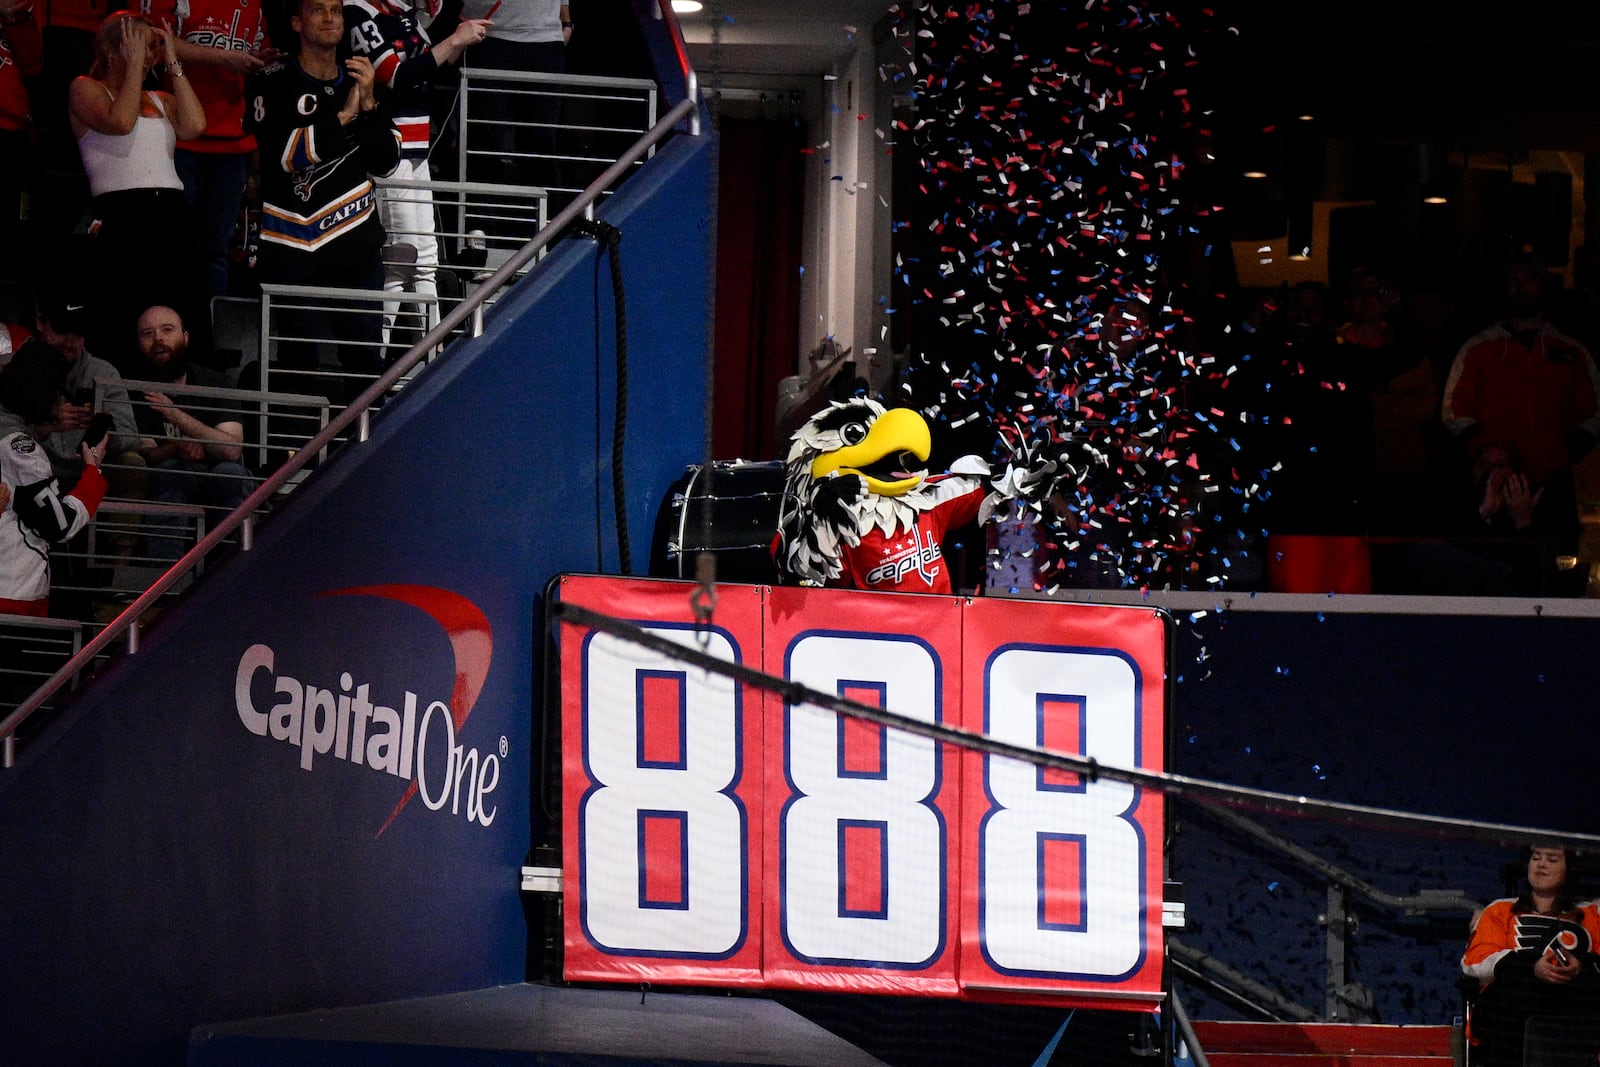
(611, 237)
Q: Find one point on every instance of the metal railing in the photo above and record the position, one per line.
(139, 529)
(114, 558)
(32, 650)
(353, 421)
(554, 131)
(342, 338)
(477, 225)
(1337, 922)
(275, 423)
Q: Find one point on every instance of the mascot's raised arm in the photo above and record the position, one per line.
(860, 509)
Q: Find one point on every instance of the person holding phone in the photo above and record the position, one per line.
(62, 319)
(35, 513)
(391, 34)
(1533, 955)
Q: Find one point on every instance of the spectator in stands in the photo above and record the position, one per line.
(61, 321)
(194, 450)
(220, 43)
(322, 137)
(520, 128)
(1500, 539)
(1525, 386)
(1532, 955)
(392, 37)
(68, 32)
(126, 136)
(21, 60)
(36, 513)
(12, 335)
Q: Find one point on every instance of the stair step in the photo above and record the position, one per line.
(1250, 1044)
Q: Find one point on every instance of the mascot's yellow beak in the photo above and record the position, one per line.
(878, 457)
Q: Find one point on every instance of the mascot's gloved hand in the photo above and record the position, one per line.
(832, 500)
(1027, 483)
(1029, 476)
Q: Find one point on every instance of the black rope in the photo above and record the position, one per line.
(611, 238)
(1195, 790)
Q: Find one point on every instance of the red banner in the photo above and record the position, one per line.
(661, 792)
(1064, 884)
(715, 834)
(859, 832)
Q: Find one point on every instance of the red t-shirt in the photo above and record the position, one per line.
(21, 56)
(227, 25)
(76, 14)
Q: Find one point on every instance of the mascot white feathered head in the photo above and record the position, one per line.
(853, 465)
(856, 466)
(887, 447)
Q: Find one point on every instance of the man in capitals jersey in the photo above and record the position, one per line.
(322, 136)
(391, 35)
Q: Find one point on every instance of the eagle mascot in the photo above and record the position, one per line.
(860, 510)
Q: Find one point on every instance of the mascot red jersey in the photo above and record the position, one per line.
(860, 510)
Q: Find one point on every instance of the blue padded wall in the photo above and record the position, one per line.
(172, 856)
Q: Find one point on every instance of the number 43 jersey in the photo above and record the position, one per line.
(402, 56)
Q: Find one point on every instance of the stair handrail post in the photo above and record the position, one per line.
(1185, 1029)
(1336, 973)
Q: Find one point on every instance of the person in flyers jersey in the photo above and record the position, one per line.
(1534, 955)
(860, 510)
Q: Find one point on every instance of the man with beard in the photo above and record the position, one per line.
(194, 451)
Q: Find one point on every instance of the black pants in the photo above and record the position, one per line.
(336, 333)
(515, 124)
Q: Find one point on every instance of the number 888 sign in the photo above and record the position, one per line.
(714, 835)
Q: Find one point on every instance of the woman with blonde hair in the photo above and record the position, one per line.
(140, 233)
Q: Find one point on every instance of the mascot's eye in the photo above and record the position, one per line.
(853, 433)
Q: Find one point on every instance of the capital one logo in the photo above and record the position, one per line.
(407, 737)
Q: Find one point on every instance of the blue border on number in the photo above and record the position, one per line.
(640, 678)
(730, 790)
(1083, 878)
(1136, 798)
(882, 827)
(882, 732)
(929, 801)
(682, 819)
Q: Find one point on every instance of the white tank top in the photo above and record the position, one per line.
(141, 159)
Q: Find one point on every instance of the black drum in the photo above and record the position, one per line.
(730, 509)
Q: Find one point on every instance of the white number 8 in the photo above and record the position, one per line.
(1037, 918)
(701, 913)
(891, 912)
